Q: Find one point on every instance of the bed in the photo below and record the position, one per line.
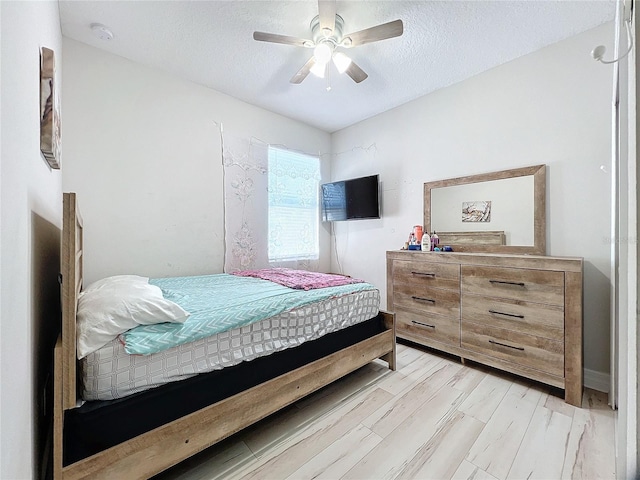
(142, 433)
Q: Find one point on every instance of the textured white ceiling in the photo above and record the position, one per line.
(444, 42)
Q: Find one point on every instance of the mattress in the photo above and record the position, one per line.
(111, 373)
(221, 302)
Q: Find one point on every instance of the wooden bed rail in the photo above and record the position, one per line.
(155, 451)
(72, 264)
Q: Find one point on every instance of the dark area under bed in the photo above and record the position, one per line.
(98, 425)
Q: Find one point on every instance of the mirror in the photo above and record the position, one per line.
(500, 212)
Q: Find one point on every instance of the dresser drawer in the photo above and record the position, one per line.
(429, 327)
(528, 350)
(540, 286)
(427, 300)
(525, 317)
(428, 274)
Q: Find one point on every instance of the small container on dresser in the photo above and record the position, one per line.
(519, 313)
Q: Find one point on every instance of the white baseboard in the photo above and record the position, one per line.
(597, 380)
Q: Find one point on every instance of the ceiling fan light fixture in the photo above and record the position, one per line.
(326, 37)
(322, 53)
(341, 61)
(318, 69)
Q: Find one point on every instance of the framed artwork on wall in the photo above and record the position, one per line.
(49, 110)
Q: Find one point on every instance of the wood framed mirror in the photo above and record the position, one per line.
(497, 212)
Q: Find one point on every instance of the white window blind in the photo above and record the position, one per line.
(294, 180)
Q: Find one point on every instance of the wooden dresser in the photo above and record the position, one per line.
(519, 313)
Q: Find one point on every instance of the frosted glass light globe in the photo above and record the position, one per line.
(322, 53)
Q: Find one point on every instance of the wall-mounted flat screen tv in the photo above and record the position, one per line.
(354, 199)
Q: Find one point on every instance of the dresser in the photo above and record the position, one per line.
(518, 313)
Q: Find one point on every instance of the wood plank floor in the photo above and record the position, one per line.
(433, 418)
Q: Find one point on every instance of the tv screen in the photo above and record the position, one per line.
(351, 199)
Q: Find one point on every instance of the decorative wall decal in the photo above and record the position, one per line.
(479, 211)
(247, 183)
(49, 110)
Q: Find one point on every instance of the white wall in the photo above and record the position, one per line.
(31, 213)
(142, 150)
(551, 107)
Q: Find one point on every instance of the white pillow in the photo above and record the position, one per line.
(113, 305)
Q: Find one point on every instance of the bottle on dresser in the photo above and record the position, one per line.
(417, 231)
(426, 242)
(435, 241)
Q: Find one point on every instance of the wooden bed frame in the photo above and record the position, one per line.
(165, 446)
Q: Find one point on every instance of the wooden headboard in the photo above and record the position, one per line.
(467, 241)
(71, 285)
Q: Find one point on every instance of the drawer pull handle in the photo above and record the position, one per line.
(505, 345)
(506, 314)
(433, 275)
(423, 324)
(520, 284)
(422, 299)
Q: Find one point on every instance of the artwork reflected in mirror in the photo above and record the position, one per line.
(476, 211)
(494, 212)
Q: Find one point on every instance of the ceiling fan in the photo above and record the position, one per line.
(327, 38)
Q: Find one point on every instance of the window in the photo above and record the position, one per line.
(294, 184)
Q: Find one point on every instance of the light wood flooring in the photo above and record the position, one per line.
(433, 418)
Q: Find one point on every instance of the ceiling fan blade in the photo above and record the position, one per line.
(373, 34)
(327, 14)
(285, 39)
(356, 73)
(303, 72)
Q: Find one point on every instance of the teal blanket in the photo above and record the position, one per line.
(222, 302)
